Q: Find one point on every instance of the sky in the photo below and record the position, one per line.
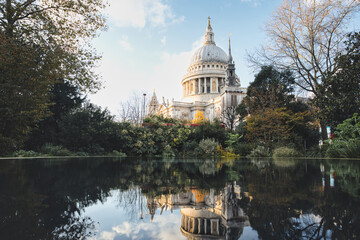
(149, 43)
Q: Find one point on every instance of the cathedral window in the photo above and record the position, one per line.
(208, 66)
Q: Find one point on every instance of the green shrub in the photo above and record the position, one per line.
(24, 153)
(117, 154)
(286, 152)
(243, 149)
(208, 146)
(344, 149)
(52, 150)
(260, 151)
(317, 151)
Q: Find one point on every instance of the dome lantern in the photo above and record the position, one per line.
(209, 35)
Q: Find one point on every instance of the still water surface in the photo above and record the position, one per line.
(113, 198)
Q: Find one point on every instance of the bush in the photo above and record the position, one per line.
(117, 154)
(52, 150)
(23, 153)
(260, 151)
(285, 152)
(242, 149)
(344, 149)
(208, 146)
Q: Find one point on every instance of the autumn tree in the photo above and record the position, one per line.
(275, 126)
(305, 37)
(199, 117)
(41, 42)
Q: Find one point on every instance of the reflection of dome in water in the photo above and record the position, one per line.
(201, 224)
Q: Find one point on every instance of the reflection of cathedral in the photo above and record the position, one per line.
(205, 214)
(210, 85)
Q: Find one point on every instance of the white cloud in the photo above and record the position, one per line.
(161, 228)
(254, 2)
(138, 13)
(125, 44)
(163, 40)
(121, 81)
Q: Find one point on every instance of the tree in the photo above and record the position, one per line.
(199, 117)
(41, 42)
(275, 116)
(230, 117)
(340, 92)
(24, 88)
(305, 37)
(64, 98)
(270, 89)
(61, 28)
(133, 110)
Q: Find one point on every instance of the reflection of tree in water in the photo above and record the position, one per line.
(291, 203)
(46, 198)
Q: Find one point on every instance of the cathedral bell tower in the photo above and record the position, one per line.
(231, 93)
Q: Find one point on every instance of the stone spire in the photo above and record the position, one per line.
(209, 35)
(230, 59)
(153, 105)
(230, 70)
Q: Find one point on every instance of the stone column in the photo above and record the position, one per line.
(217, 85)
(211, 85)
(199, 87)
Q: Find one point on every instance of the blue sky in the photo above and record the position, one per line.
(149, 43)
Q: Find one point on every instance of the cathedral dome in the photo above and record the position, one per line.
(209, 53)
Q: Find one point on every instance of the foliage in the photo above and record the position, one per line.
(274, 115)
(208, 130)
(260, 151)
(116, 154)
(346, 143)
(41, 42)
(199, 117)
(24, 153)
(227, 153)
(89, 129)
(61, 28)
(270, 89)
(64, 98)
(273, 126)
(349, 129)
(24, 85)
(305, 37)
(344, 149)
(340, 91)
(51, 150)
(242, 149)
(232, 139)
(285, 152)
(208, 146)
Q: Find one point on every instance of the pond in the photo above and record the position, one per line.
(129, 198)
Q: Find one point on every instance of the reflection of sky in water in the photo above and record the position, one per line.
(115, 221)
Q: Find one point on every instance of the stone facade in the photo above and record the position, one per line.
(210, 85)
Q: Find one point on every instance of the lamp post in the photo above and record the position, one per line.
(144, 94)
